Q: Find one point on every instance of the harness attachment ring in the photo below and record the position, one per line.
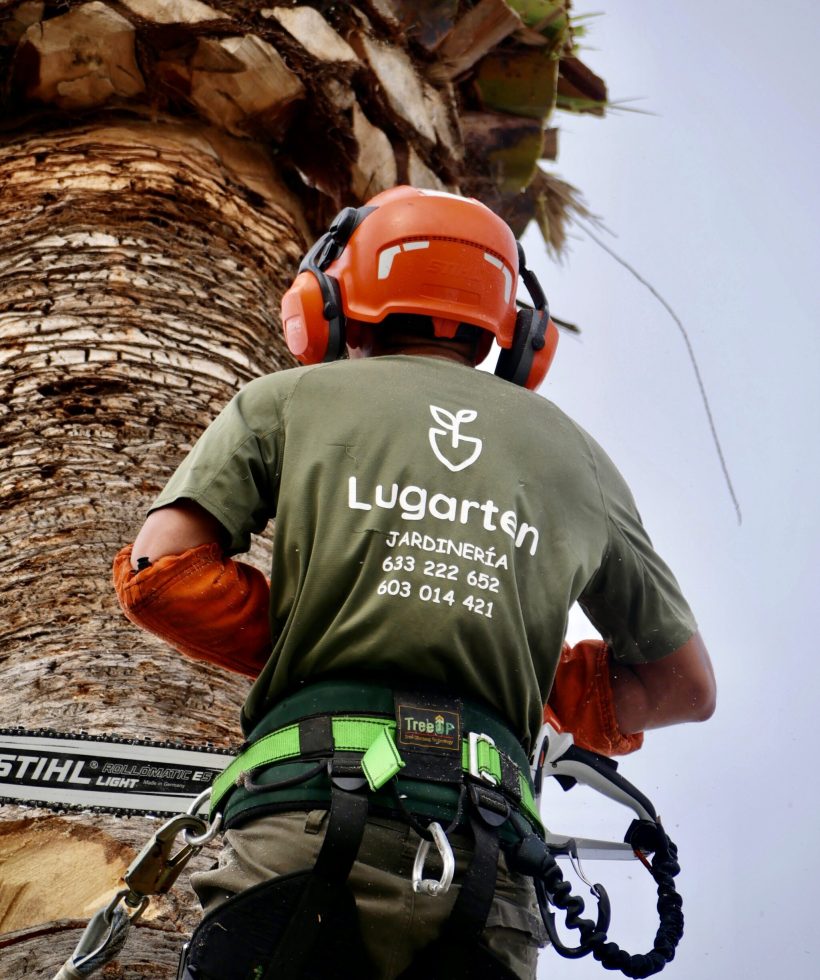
(212, 828)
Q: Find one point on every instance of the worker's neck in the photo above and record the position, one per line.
(449, 352)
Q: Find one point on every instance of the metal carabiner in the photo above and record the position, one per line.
(212, 829)
(155, 869)
(575, 861)
(597, 890)
(152, 872)
(429, 886)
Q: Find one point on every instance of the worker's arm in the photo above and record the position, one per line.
(206, 606)
(676, 689)
(607, 705)
(174, 530)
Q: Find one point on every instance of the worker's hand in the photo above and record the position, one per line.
(207, 607)
(582, 700)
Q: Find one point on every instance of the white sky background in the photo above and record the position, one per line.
(714, 200)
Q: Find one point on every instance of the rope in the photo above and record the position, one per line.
(106, 937)
(691, 352)
(109, 950)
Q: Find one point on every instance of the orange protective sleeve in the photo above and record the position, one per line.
(581, 699)
(205, 606)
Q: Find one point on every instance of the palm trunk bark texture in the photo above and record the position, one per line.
(140, 268)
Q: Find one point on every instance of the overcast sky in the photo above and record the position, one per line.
(713, 199)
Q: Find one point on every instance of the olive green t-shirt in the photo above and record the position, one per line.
(432, 522)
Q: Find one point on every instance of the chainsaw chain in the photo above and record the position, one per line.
(206, 748)
(111, 811)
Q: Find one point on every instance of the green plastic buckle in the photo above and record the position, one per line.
(382, 761)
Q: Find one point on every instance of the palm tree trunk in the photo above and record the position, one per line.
(140, 268)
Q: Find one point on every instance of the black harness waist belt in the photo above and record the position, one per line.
(373, 733)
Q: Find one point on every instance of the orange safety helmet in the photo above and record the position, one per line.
(427, 253)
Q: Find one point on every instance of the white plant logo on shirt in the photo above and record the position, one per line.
(448, 439)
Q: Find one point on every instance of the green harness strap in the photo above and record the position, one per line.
(375, 738)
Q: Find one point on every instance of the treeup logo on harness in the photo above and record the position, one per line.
(450, 425)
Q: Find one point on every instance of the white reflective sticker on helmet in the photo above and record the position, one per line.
(494, 260)
(386, 257)
(429, 192)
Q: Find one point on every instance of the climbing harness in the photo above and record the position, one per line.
(438, 763)
(441, 765)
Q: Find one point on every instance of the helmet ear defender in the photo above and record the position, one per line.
(313, 317)
(527, 361)
(315, 325)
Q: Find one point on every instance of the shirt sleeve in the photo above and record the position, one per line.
(633, 599)
(233, 470)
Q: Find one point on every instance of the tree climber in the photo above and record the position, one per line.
(434, 525)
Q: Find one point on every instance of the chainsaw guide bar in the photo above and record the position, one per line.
(108, 774)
